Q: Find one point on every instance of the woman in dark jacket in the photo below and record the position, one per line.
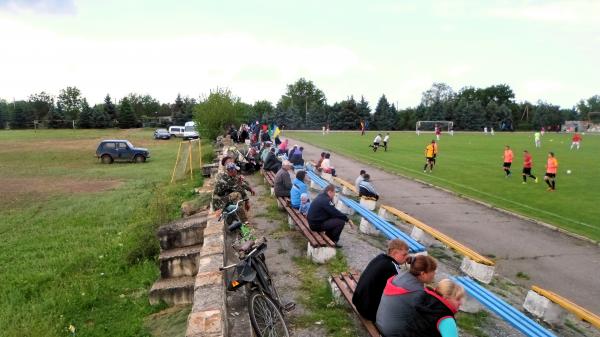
(435, 312)
(271, 162)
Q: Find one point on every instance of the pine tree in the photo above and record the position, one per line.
(384, 117)
(109, 108)
(56, 117)
(178, 111)
(126, 115)
(85, 116)
(22, 116)
(364, 112)
(3, 114)
(100, 118)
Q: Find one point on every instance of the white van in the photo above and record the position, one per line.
(190, 132)
(176, 131)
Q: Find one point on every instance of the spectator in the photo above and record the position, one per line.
(373, 279)
(283, 147)
(271, 162)
(323, 216)
(318, 166)
(231, 188)
(277, 141)
(298, 188)
(366, 189)
(296, 156)
(283, 182)
(435, 312)
(401, 295)
(304, 204)
(326, 165)
(358, 180)
(265, 151)
(265, 136)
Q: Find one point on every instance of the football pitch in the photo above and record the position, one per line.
(470, 164)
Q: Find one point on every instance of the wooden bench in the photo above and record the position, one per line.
(346, 284)
(320, 247)
(269, 179)
(474, 264)
(538, 303)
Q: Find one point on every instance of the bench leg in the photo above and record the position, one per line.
(320, 254)
(314, 186)
(338, 298)
(366, 227)
(424, 238)
(272, 191)
(291, 223)
(543, 308)
(478, 271)
(347, 191)
(368, 204)
(344, 208)
(384, 214)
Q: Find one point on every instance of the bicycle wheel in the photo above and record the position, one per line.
(266, 319)
(261, 267)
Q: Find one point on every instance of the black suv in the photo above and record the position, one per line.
(121, 150)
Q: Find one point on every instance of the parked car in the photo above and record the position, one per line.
(190, 132)
(120, 150)
(176, 131)
(162, 134)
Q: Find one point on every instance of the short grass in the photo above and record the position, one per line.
(471, 164)
(79, 256)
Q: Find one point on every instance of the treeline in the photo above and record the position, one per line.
(303, 106)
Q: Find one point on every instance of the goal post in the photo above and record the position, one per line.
(429, 126)
(189, 158)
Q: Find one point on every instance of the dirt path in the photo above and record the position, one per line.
(552, 260)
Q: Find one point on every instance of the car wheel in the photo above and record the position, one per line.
(107, 159)
(139, 158)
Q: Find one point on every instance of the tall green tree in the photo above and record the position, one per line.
(364, 112)
(3, 114)
(22, 115)
(470, 115)
(100, 119)
(216, 112)
(547, 115)
(345, 115)
(591, 104)
(178, 111)
(384, 117)
(260, 109)
(85, 116)
(109, 108)
(70, 100)
(56, 117)
(302, 106)
(41, 103)
(127, 118)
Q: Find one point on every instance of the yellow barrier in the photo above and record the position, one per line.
(578, 311)
(346, 184)
(448, 241)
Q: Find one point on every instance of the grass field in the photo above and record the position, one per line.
(471, 164)
(78, 245)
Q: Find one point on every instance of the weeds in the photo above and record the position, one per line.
(473, 323)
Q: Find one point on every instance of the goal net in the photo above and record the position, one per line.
(189, 159)
(430, 126)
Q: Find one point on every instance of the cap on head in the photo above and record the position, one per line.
(231, 167)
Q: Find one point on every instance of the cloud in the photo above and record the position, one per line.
(39, 6)
(581, 11)
(539, 89)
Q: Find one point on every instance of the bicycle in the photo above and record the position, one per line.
(232, 221)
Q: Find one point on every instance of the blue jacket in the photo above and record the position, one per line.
(298, 187)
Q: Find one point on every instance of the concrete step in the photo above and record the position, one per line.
(173, 291)
(182, 232)
(179, 261)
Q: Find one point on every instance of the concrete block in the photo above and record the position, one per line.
(272, 191)
(206, 323)
(314, 186)
(384, 214)
(327, 176)
(367, 228)
(291, 223)
(320, 254)
(347, 191)
(543, 308)
(421, 236)
(478, 271)
(338, 298)
(470, 305)
(344, 208)
(368, 204)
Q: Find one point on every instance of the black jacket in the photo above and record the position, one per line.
(371, 283)
(322, 209)
(272, 163)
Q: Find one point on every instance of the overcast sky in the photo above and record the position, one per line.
(545, 50)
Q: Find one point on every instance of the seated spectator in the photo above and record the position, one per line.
(358, 180)
(326, 165)
(230, 188)
(283, 148)
(435, 311)
(265, 136)
(323, 216)
(265, 151)
(304, 204)
(283, 182)
(296, 156)
(402, 294)
(318, 165)
(271, 162)
(366, 189)
(298, 188)
(373, 279)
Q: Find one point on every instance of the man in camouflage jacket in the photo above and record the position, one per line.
(230, 188)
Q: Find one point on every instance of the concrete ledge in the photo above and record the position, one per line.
(478, 271)
(421, 236)
(543, 308)
(347, 191)
(384, 214)
(320, 254)
(368, 204)
(366, 227)
(344, 208)
(206, 323)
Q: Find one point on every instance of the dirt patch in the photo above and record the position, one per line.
(16, 190)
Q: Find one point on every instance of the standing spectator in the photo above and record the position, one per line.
(326, 165)
(376, 142)
(373, 279)
(282, 181)
(551, 168)
(323, 216)
(575, 141)
(385, 141)
(360, 178)
(527, 165)
(366, 189)
(298, 188)
(508, 158)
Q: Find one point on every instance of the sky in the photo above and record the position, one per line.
(544, 50)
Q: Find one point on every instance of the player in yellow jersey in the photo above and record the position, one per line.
(430, 154)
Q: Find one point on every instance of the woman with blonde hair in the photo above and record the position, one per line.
(435, 311)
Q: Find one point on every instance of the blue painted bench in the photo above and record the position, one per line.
(517, 319)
